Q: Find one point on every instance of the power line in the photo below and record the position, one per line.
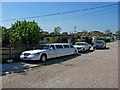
(67, 12)
(86, 14)
(79, 10)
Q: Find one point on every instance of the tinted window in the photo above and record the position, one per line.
(59, 46)
(66, 46)
(99, 41)
(52, 46)
(42, 47)
(71, 46)
(86, 44)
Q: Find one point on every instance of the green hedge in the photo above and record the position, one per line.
(105, 39)
(79, 40)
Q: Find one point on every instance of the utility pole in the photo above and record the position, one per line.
(75, 34)
(75, 30)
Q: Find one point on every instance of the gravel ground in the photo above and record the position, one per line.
(93, 69)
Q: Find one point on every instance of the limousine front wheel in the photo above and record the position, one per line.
(75, 52)
(43, 58)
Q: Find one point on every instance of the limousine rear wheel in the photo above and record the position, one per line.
(43, 58)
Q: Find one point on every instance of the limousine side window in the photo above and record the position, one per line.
(71, 46)
(52, 46)
(59, 46)
(66, 46)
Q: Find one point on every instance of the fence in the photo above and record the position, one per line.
(6, 53)
(10, 52)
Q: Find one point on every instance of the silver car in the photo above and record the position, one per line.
(99, 44)
(82, 46)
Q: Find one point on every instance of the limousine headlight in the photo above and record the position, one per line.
(78, 47)
(33, 55)
(37, 53)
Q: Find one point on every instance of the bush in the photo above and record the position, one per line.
(99, 37)
(54, 39)
(105, 39)
(79, 40)
(44, 42)
(51, 40)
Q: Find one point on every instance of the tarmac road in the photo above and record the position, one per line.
(93, 69)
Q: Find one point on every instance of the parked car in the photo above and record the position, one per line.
(47, 51)
(118, 38)
(99, 44)
(82, 46)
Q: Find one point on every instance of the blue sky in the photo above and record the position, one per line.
(90, 20)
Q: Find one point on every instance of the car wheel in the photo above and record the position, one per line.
(105, 46)
(89, 48)
(75, 52)
(94, 47)
(43, 58)
(83, 50)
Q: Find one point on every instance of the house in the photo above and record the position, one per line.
(82, 33)
(65, 38)
(95, 33)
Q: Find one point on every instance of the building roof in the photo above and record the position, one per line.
(56, 44)
(60, 35)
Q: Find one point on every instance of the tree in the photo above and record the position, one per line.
(0, 34)
(65, 33)
(55, 39)
(118, 33)
(5, 35)
(43, 33)
(108, 32)
(26, 32)
(57, 30)
(0, 31)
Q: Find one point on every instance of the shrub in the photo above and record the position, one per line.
(79, 40)
(51, 40)
(99, 37)
(107, 40)
(54, 39)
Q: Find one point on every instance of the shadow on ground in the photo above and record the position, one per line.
(107, 48)
(60, 59)
(54, 60)
(17, 67)
(86, 52)
(22, 67)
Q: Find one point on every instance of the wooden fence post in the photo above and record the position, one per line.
(10, 56)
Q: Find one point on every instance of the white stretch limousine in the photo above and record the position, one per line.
(47, 51)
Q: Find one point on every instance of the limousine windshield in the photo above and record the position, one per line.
(42, 47)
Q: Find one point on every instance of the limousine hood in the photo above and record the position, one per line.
(34, 51)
